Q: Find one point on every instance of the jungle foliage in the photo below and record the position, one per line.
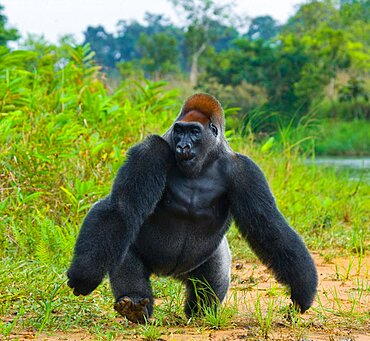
(321, 52)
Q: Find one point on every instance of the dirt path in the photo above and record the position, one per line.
(340, 313)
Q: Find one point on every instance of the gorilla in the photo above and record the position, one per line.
(170, 206)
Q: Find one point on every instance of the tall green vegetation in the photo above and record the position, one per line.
(55, 114)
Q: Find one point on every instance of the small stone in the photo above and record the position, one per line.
(238, 266)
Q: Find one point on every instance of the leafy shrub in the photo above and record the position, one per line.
(347, 111)
(61, 132)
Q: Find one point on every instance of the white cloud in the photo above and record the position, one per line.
(54, 18)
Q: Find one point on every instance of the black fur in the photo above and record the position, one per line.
(112, 224)
(169, 209)
(267, 232)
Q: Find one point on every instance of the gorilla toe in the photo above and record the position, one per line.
(134, 310)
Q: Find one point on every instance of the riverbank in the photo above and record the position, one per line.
(355, 168)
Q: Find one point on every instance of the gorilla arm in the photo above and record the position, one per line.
(276, 244)
(112, 224)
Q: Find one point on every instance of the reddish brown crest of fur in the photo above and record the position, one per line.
(202, 105)
(195, 116)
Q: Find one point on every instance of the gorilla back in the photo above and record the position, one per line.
(168, 212)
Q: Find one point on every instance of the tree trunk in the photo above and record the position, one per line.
(194, 64)
(332, 88)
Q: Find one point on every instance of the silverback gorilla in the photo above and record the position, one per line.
(168, 211)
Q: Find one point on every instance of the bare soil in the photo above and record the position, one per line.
(338, 314)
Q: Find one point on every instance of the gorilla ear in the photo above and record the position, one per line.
(207, 105)
(214, 129)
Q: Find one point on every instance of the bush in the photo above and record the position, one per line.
(359, 109)
(343, 138)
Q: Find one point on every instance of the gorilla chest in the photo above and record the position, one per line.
(187, 225)
(195, 198)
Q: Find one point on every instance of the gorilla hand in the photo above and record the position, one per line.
(82, 285)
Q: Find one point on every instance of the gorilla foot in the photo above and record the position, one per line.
(134, 310)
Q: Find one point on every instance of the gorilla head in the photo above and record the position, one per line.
(197, 133)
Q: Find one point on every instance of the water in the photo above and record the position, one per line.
(340, 162)
(358, 168)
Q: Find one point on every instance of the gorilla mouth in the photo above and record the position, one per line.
(185, 155)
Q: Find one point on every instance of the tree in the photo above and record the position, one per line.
(6, 35)
(159, 54)
(355, 10)
(224, 36)
(264, 27)
(201, 18)
(333, 39)
(103, 44)
(310, 16)
(129, 33)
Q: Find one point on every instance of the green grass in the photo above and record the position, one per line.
(63, 138)
(343, 138)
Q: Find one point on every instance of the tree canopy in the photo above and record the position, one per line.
(6, 34)
(320, 55)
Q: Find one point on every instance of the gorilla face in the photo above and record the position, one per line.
(187, 138)
(192, 143)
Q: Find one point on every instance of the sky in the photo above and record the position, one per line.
(55, 18)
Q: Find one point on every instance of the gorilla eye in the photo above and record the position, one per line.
(213, 129)
(177, 130)
(195, 132)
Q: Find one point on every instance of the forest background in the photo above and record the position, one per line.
(315, 66)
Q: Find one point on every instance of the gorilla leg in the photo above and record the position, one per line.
(131, 288)
(207, 285)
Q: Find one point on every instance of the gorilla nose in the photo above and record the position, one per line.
(183, 152)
